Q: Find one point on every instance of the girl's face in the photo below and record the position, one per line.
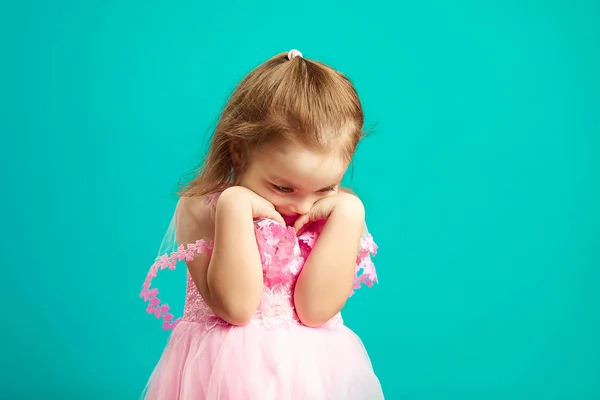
(293, 178)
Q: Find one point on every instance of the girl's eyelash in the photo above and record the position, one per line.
(283, 189)
(329, 189)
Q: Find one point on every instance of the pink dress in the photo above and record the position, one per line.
(274, 357)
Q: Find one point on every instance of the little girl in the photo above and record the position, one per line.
(273, 248)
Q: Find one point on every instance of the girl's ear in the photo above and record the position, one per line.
(236, 154)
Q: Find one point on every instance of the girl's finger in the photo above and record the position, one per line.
(275, 216)
(279, 219)
(272, 215)
(301, 223)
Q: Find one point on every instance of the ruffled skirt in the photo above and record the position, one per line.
(255, 363)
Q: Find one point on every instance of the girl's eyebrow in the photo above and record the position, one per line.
(330, 187)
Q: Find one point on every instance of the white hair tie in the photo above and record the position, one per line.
(293, 54)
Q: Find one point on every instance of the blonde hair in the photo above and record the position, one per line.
(297, 100)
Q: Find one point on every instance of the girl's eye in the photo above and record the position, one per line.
(329, 189)
(283, 189)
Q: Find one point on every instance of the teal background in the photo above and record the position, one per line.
(481, 179)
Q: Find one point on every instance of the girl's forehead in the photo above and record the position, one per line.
(302, 167)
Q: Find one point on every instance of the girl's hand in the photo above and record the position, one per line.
(342, 201)
(237, 196)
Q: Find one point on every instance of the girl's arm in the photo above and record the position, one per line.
(230, 280)
(327, 277)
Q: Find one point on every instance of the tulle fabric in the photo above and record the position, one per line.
(256, 363)
(274, 357)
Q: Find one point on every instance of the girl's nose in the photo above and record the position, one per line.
(301, 207)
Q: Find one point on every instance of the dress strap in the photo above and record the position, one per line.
(366, 273)
(169, 261)
(169, 255)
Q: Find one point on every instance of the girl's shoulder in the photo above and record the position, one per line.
(195, 218)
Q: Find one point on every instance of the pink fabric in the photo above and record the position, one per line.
(282, 253)
(150, 295)
(274, 356)
(253, 363)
